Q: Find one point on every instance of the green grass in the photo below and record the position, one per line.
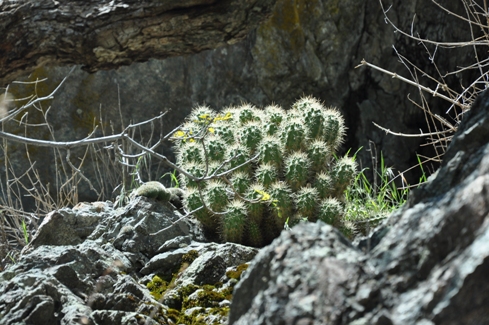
(367, 204)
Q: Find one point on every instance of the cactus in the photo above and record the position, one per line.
(271, 150)
(216, 195)
(256, 193)
(192, 200)
(330, 211)
(297, 170)
(250, 135)
(319, 154)
(313, 114)
(189, 151)
(334, 129)
(294, 177)
(194, 169)
(240, 182)
(274, 116)
(215, 149)
(343, 173)
(293, 135)
(266, 174)
(223, 130)
(306, 200)
(202, 115)
(238, 155)
(324, 184)
(234, 221)
(249, 113)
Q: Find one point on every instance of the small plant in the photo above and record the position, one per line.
(367, 204)
(293, 168)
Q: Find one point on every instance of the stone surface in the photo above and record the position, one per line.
(108, 34)
(427, 264)
(92, 265)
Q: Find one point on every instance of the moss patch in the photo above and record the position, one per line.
(236, 274)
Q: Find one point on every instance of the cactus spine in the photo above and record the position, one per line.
(294, 177)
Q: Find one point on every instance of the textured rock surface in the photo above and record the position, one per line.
(427, 264)
(92, 265)
(306, 47)
(108, 34)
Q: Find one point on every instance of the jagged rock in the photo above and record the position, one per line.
(427, 264)
(102, 273)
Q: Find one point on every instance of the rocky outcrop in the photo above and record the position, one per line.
(427, 264)
(108, 34)
(139, 264)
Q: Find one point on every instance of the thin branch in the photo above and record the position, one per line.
(396, 76)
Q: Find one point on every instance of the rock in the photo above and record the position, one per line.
(106, 35)
(107, 272)
(428, 263)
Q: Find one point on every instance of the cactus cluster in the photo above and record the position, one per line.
(293, 175)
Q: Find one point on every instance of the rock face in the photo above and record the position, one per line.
(94, 264)
(427, 264)
(305, 48)
(108, 34)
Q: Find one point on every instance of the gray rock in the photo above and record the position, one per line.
(427, 264)
(87, 265)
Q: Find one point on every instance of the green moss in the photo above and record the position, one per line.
(154, 190)
(237, 273)
(207, 297)
(157, 287)
(188, 290)
(190, 256)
